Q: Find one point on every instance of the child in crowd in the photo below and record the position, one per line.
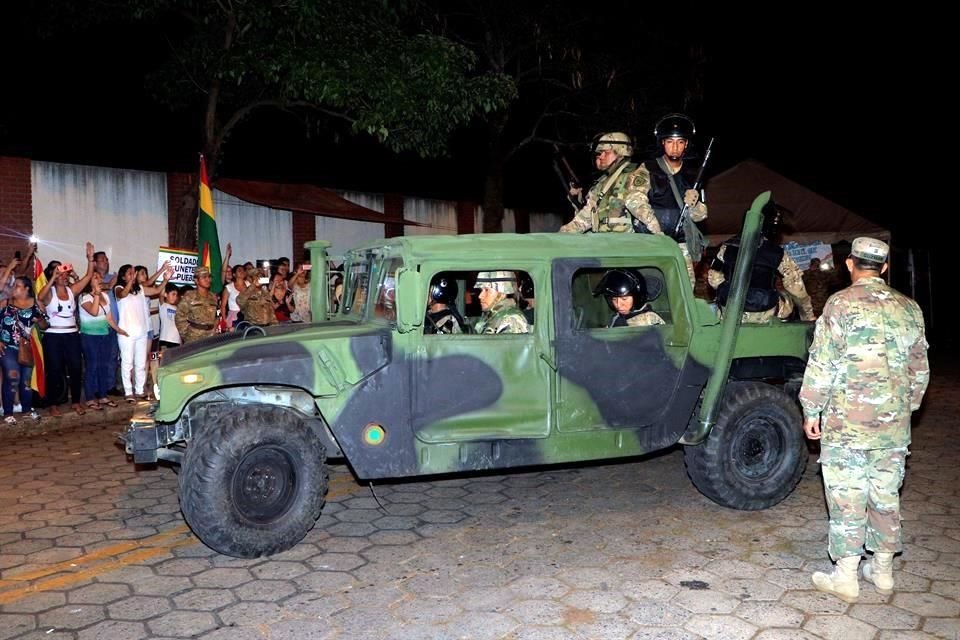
(169, 336)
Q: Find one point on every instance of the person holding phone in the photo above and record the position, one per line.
(61, 341)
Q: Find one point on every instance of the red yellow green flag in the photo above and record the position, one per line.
(208, 243)
(37, 376)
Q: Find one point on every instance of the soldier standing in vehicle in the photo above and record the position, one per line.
(669, 187)
(616, 198)
(442, 315)
(196, 316)
(626, 294)
(500, 312)
(764, 301)
(866, 374)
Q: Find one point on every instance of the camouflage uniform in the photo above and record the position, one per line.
(866, 374)
(503, 317)
(610, 205)
(817, 284)
(645, 319)
(256, 305)
(196, 316)
(792, 279)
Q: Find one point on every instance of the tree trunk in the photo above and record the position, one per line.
(185, 229)
(493, 199)
(493, 182)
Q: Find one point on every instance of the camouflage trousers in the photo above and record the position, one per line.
(782, 311)
(863, 495)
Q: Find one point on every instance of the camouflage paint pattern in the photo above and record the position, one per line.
(465, 402)
(868, 368)
(863, 498)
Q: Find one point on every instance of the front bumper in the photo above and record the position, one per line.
(146, 439)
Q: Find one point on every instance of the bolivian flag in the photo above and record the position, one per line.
(208, 243)
(38, 379)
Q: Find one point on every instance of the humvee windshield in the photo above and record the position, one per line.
(362, 269)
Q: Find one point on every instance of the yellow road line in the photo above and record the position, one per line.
(118, 556)
(93, 556)
(68, 579)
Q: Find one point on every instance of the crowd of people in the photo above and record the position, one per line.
(99, 336)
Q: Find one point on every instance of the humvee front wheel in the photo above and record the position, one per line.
(756, 452)
(253, 480)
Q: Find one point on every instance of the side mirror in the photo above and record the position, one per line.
(410, 301)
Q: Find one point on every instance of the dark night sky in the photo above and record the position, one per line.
(827, 100)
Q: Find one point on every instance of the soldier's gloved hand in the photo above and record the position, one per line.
(691, 197)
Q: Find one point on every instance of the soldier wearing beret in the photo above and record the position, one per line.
(196, 316)
(866, 375)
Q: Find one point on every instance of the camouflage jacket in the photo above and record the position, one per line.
(503, 317)
(611, 210)
(196, 314)
(256, 305)
(868, 367)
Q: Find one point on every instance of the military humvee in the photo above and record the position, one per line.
(253, 417)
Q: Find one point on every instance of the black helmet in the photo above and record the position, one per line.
(620, 282)
(674, 125)
(443, 290)
(772, 220)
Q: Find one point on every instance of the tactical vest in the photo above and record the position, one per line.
(661, 195)
(762, 292)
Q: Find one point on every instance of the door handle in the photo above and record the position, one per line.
(546, 358)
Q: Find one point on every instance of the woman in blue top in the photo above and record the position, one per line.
(16, 322)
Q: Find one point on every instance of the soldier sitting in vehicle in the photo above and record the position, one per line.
(442, 315)
(763, 301)
(500, 311)
(626, 294)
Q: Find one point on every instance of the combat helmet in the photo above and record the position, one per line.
(674, 125)
(504, 282)
(443, 290)
(616, 141)
(621, 282)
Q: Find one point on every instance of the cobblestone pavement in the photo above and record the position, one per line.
(91, 547)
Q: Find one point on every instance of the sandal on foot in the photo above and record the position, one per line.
(107, 403)
(130, 399)
(93, 405)
(55, 411)
(78, 409)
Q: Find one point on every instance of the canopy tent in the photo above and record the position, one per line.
(305, 198)
(809, 216)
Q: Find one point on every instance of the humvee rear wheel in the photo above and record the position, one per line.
(756, 452)
(253, 480)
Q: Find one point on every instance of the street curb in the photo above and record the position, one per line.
(28, 428)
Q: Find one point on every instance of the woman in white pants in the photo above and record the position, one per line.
(134, 318)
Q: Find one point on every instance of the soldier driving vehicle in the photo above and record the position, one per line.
(442, 315)
(253, 418)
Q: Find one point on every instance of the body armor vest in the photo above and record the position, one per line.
(661, 195)
(762, 292)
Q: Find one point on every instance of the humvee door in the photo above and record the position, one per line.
(620, 377)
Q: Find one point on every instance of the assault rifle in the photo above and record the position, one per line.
(569, 179)
(696, 187)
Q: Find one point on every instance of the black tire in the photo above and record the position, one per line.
(756, 453)
(253, 479)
